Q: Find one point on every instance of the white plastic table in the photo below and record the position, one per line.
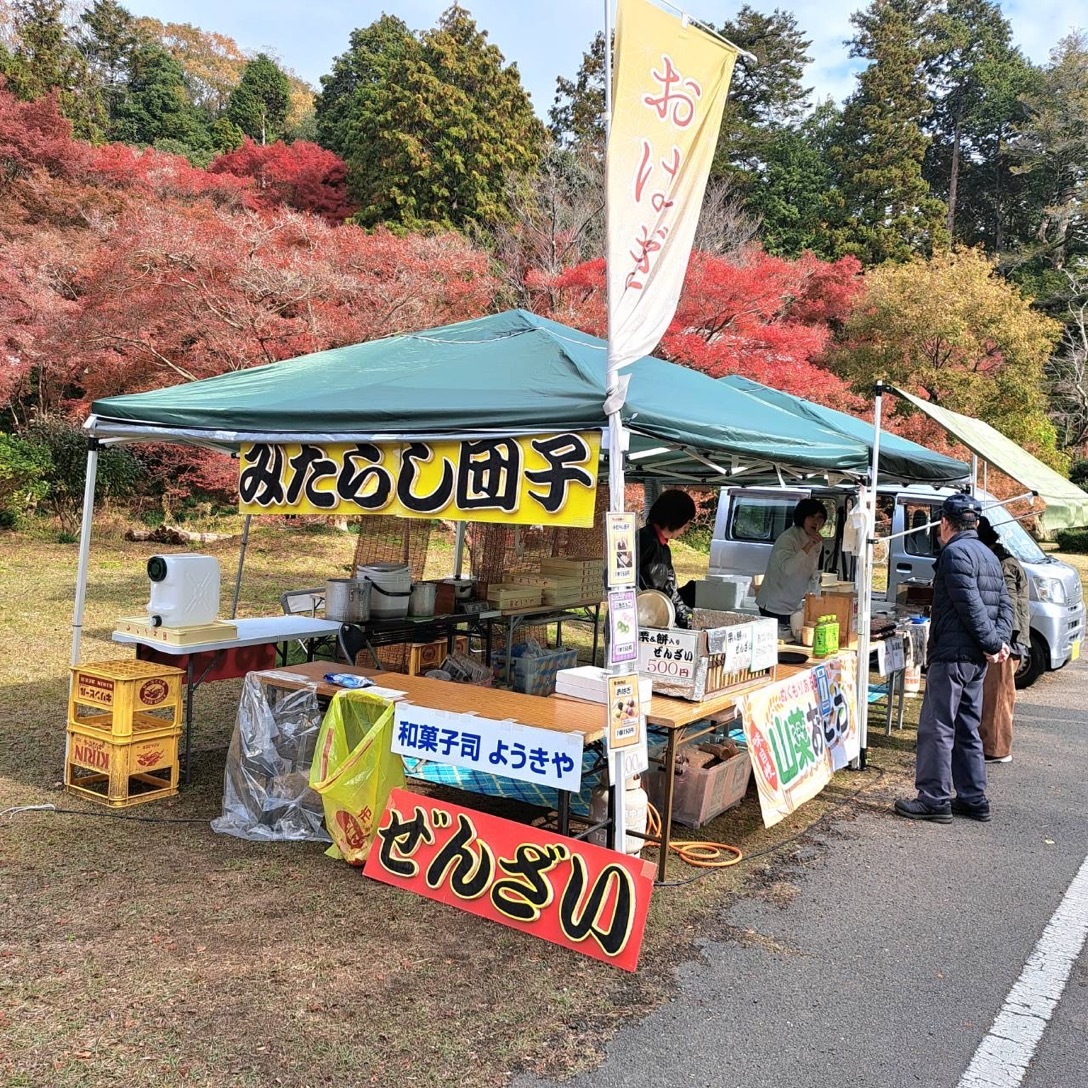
(208, 656)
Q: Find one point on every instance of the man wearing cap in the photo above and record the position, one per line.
(970, 624)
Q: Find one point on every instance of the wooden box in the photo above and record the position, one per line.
(843, 606)
(430, 655)
(508, 595)
(703, 789)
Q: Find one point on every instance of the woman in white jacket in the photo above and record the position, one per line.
(795, 558)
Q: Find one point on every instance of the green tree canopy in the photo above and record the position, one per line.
(157, 107)
(44, 58)
(953, 329)
(766, 95)
(108, 38)
(432, 127)
(577, 112)
(258, 105)
(887, 210)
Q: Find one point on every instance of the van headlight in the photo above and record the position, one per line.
(1050, 590)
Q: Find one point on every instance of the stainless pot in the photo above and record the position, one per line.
(463, 588)
(421, 599)
(347, 600)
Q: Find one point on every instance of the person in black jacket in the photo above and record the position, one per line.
(970, 624)
(668, 517)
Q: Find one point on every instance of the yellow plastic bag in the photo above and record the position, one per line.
(353, 770)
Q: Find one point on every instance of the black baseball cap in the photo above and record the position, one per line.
(959, 506)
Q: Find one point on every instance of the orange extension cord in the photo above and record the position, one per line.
(702, 854)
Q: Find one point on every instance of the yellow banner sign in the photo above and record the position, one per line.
(670, 86)
(541, 479)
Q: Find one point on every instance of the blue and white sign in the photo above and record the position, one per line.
(524, 752)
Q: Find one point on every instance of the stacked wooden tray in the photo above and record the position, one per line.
(509, 596)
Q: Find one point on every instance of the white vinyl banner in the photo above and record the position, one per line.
(669, 91)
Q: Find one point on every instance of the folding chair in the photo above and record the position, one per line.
(309, 602)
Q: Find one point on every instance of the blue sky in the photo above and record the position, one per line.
(547, 38)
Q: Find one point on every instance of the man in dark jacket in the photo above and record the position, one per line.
(970, 624)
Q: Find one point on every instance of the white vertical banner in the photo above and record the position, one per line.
(666, 96)
(669, 91)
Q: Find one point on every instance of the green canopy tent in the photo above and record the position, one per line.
(901, 461)
(1066, 504)
(513, 373)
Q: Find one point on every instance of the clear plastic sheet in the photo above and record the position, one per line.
(266, 789)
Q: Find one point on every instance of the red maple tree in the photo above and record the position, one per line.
(300, 175)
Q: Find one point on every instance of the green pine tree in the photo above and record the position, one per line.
(108, 39)
(887, 211)
(432, 128)
(577, 111)
(157, 107)
(44, 58)
(258, 105)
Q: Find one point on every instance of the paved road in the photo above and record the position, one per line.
(902, 945)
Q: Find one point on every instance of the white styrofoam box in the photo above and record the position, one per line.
(590, 682)
(723, 594)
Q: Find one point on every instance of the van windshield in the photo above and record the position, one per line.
(1014, 536)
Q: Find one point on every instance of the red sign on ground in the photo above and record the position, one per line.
(572, 893)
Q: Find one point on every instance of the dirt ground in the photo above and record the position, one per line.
(139, 947)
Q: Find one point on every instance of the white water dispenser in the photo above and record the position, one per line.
(184, 590)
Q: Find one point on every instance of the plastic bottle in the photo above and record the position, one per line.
(832, 635)
(820, 637)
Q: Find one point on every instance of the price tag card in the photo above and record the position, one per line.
(620, 546)
(624, 713)
(622, 626)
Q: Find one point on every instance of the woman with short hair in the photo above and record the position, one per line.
(795, 558)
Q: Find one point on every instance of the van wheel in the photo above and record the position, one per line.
(1034, 665)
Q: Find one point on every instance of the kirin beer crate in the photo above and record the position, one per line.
(125, 771)
(122, 698)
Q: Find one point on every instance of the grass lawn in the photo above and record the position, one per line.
(140, 948)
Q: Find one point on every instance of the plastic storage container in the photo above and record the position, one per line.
(184, 590)
(390, 589)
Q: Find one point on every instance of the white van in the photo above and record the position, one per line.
(749, 520)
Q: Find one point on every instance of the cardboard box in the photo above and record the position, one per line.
(704, 789)
(731, 649)
(590, 682)
(843, 606)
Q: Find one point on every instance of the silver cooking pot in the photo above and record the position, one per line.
(347, 600)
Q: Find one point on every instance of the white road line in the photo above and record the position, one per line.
(1002, 1058)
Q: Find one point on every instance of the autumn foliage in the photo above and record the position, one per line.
(767, 318)
(301, 175)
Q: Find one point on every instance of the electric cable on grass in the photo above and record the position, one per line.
(700, 853)
(706, 871)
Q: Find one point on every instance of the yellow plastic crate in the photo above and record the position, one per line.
(122, 772)
(120, 698)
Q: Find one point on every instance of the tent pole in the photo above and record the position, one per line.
(865, 579)
(458, 549)
(974, 473)
(84, 546)
(241, 563)
(615, 389)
